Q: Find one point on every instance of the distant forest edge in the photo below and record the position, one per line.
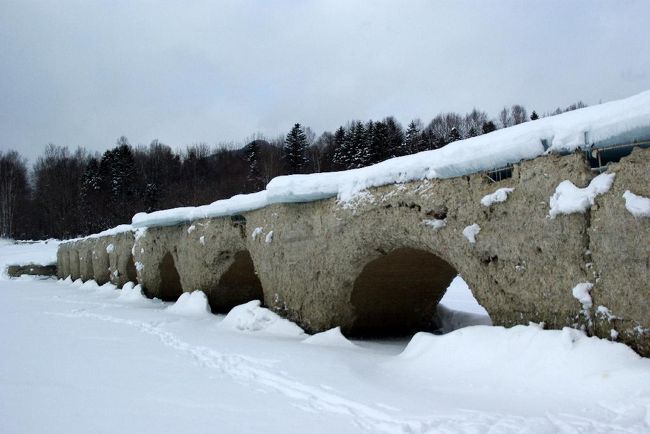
(67, 194)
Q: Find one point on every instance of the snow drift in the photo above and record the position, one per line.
(252, 317)
(521, 358)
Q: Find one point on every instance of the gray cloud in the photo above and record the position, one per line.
(86, 72)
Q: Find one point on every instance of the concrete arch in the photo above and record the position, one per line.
(397, 293)
(237, 285)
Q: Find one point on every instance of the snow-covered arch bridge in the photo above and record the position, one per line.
(373, 250)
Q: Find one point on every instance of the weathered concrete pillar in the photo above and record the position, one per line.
(74, 260)
(156, 255)
(101, 261)
(63, 261)
(620, 254)
(85, 249)
(212, 256)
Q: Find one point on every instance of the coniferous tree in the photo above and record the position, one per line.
(413, 139)
(453, 136)
(252, 155)
(534, 116)
(394, 137)
(488, 127)
(91, 200)
(379, 148)
(359, 146)
(295, 150)
(342, 154)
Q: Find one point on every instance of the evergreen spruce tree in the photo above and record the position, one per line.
(91, 202)
(380, 149)
(488, 127)
(294, 151)
(412, 140)
(454, 135)
(534, 116)
(340, 156)
(394, 137)
(359, 146)
(117, 169)
(252, 155)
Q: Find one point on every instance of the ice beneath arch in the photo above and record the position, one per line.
(619, 121)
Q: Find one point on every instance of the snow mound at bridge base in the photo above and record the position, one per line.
(252, 317)
(193, 303)
(522, 357)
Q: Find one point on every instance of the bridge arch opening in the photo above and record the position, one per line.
(238, 285)
(131, 273)
(170, 281)
(397, 293)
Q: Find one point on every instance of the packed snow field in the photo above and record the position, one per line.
(77, 357)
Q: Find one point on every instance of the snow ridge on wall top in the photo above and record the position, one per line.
(108, 232)
(562, 133)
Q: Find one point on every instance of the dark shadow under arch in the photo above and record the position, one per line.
(397, 293)
(170, 281)
(238, 285)
(131, 273)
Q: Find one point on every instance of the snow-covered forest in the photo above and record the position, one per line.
(68, 193)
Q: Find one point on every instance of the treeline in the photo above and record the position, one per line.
(71, 193)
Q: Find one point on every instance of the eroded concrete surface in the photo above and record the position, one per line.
(384, 260)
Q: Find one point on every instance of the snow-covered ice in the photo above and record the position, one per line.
(498, 196)
(569, 199)
(618, 121)
(638, 206)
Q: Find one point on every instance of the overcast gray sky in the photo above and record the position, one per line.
(86, 72)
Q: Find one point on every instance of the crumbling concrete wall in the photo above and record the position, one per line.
(85, 250)
(74, 260)
(100, 260)
(120, 257)
(317, 263)
(521, 267)
(209, 255)
(620, 257)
